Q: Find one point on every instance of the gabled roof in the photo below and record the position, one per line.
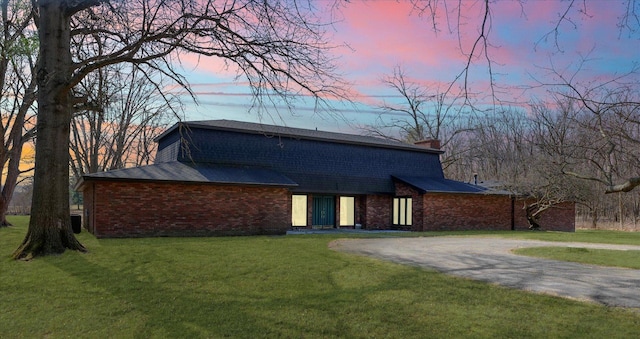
(297, 133)
(440, 185)
(197, 173)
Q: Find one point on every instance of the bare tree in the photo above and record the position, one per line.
(550, 137)
(279, 46)
(604, 143)
(18, 47)
(421, 114)
(118, 132)
(607, 118)
(461, 18)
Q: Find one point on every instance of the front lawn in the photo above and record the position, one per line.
(248, 287)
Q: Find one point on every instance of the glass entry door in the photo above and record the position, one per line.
(324, 211)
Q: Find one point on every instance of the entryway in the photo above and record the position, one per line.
(324, 211)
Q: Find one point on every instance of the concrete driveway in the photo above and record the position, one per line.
(491, 260)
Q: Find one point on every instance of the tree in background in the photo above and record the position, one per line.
(18, 52)
(421, 114)
(128, 113)
(603, 121)
(279, 46)
(603, 145)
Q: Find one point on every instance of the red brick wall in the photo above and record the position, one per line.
(561, 217)
(130, 209)
(377, 214)
(455, 212)
(458, 212)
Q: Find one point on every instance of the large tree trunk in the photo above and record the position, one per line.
(50, 225)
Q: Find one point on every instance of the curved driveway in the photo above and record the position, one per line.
(491, 260)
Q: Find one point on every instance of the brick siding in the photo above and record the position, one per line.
(138, 209)
(560, 217)
(458, 212)
(131, 209)
(377, 212)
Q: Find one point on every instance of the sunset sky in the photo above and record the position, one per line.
(384, 34)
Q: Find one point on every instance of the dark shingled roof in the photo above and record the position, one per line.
(300, 133)
(201, 173)
(440, 185)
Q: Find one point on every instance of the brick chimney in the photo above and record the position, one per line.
(428, 143)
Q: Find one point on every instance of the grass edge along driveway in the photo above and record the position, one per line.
(492, 260)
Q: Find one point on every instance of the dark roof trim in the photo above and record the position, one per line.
(440, 185)
(297, 133)
(177, 172)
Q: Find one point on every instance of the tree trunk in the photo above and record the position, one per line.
(594, 218)
(50, 225)
(13, 171)
(17, 140)
(532, 213)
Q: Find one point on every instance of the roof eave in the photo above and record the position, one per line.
(98, 178)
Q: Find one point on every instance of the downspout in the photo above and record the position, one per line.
(92, 210)
(513, 212)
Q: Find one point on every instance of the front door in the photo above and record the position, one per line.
(324, 211)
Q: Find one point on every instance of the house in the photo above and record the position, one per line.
(224, 177)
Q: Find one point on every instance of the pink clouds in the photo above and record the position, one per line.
(384, 34)
(197, 63)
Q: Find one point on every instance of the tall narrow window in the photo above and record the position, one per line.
(299, 210)
(347, 211)
(402, 211)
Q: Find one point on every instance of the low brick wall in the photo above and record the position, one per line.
(463, 212)
(561, 217)
(139, 209)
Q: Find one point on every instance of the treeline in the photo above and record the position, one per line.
(581, 144)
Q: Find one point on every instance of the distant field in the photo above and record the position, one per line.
(609, 225)
(286, 286)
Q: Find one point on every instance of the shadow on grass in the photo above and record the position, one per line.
(164, 311)
(269, 304)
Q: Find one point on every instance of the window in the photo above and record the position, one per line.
(299, 210)
(347, 211)
(402, 211)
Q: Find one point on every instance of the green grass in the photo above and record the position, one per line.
(589, 236)
(250, 287)
(628, 259)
